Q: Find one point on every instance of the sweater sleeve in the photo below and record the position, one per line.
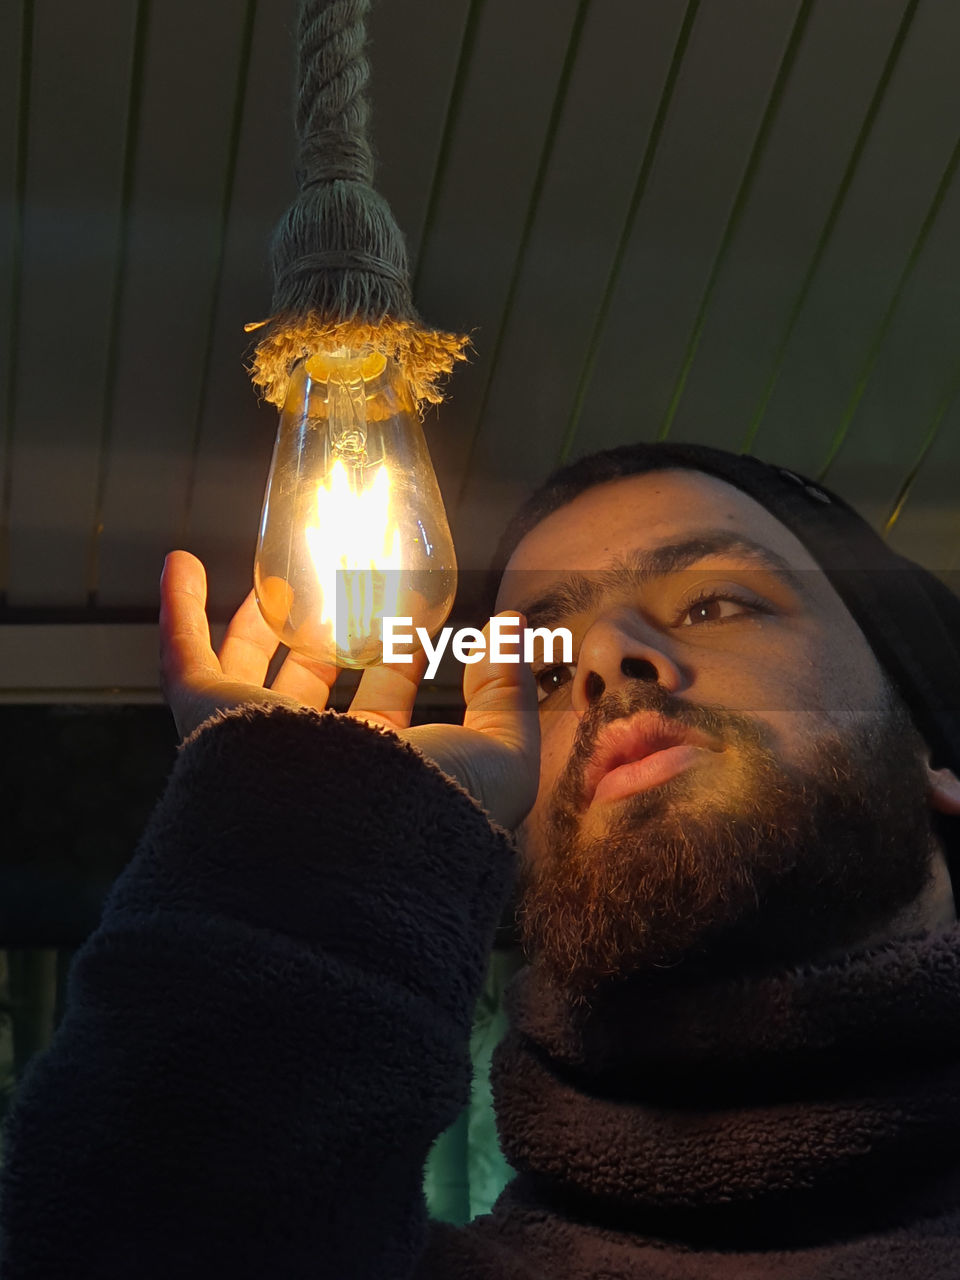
(271, 1024)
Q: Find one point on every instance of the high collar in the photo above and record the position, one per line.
(822, 1093)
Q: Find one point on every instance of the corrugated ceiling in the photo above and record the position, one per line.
(732, 221)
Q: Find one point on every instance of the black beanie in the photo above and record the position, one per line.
(909, 617)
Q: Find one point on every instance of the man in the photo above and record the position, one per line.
(736, 1051)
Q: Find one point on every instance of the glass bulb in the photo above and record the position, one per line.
(353, 527)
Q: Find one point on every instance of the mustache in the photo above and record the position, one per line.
(724, 725)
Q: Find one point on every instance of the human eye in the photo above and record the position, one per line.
(717, 606)
(551, 679)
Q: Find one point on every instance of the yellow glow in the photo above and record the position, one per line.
(323, 365)
(352, 527)
(355, 549)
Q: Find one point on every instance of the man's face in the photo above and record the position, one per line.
(725, 773)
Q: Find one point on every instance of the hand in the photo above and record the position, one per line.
(494, 754)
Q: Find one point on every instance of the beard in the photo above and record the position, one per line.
(786, 863)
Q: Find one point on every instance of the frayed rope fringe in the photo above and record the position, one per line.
(425, 356)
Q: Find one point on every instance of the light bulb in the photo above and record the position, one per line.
(353, 527)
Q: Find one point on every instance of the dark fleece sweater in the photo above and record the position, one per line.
(271, 1026)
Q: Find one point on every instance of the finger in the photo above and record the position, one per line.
(185, 649)
(386, 694)
(248, 644)
(501, 697)
(306, 679)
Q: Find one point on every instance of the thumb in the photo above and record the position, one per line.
(501, 696)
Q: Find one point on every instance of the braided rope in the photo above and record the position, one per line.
(331, 109)
(339, 259)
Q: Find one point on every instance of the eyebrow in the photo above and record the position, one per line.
(580, 591)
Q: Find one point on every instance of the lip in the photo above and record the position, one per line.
(640, 752)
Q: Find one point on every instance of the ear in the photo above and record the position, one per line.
(943, 787)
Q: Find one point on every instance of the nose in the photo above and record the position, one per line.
(618, 649)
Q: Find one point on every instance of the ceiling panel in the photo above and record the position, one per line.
(233, 435)
(606, 129)
(731, 222)
(830, 98)
(505, 117)
(80, 89)
(927, 524)
(171, 256)
(15, 49)
(871, 252)
(901, 399)
(727, 86)
(418, 54)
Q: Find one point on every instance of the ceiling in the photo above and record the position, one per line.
(732, 221)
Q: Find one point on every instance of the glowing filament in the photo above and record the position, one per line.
(355, 549)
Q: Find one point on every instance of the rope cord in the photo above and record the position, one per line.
(339, 260)
(331, 109)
